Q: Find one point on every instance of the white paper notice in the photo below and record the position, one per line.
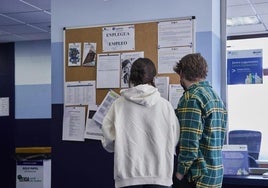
(74, 54)
(126, 61)
(120, 38)
(162, 84)
(175, 93)
(74, 123)
(89, 54)
(175, 33)
(105, 106)
(93, 128)
(4, 106)
(168, 57)
(80, 93)
(108, 70)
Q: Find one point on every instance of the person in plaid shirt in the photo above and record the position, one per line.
(203, 117)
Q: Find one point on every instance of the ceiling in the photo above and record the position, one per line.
(241, 8)
(24, 20)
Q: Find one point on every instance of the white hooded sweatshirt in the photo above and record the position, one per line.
(142, 130)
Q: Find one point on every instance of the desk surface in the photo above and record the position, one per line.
(250, 180)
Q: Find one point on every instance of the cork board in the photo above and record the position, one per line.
(146, 40)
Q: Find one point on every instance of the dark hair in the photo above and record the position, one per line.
(142, 71)
(192, 67)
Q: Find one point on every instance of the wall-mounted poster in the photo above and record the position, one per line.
(126, 61)
(74, 54)
(30, 174)
(4, 106)
(244, 67)
(168, 57)
(89, 54)
(73, 127)
(175, 33)
(93, 128)
(108, 70)
(118, 38)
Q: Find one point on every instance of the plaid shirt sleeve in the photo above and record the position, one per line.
(190, 117)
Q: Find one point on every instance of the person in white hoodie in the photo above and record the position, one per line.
(142, 130)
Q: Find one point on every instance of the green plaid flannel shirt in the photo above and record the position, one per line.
(203, 118)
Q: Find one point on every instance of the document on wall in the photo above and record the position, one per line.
(118, 38)
(89, 54)
(105, 105)
(93, 128)
(80, 93)
(74, 54)
(175, 33)
(175, 93)
(74, 123)
(108, 70)
(4, 106)
(162, 84)
(126, 62)
(168, 57)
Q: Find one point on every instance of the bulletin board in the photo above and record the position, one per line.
(146, 40)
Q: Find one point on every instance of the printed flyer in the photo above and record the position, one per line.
(235, 159)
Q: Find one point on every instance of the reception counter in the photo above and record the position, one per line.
(250, 181)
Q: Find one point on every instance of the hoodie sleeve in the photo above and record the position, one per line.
(108, 130)
(176, 128)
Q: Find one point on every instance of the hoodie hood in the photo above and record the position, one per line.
(145, 95)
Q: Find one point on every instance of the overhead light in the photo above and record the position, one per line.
(36, 7)
(30, 5)
(246, 20)
(35, 27)
(14, 19)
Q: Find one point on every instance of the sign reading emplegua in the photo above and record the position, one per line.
(119, 38)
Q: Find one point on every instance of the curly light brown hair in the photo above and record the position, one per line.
(192, 67)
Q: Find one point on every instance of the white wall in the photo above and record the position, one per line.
(33, 79)
(32, 62)
(101, 12)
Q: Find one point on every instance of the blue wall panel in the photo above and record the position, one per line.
(57, 72)
(208, 44)
(33, 101)
(204, 46)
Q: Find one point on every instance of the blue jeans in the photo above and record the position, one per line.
(147, 186)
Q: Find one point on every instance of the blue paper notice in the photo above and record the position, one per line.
(244, 67)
